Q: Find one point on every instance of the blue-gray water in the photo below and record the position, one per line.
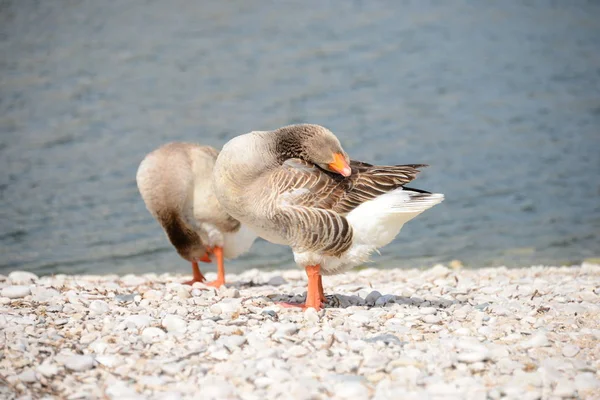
(501, 98)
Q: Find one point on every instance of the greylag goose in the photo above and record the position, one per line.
(175, 183)
(296, 186)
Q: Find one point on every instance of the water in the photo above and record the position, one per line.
(502, 99)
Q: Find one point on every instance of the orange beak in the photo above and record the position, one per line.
(340, 165)
(205, 258)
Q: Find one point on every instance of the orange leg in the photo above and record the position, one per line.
(314, 294)
(198, 277)
(218, 252)
(321, 294)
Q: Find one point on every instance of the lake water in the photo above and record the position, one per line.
(501, 98)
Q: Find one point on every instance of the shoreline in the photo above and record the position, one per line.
(441, 332)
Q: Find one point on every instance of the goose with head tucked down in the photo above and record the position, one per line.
(296, 186)
(175, 183)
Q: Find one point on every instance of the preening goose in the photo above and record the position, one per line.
(296, 186)
(175, 183)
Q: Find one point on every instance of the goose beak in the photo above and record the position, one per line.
(205, 258)
(340, 165)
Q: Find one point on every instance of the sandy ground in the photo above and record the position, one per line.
(440, 333)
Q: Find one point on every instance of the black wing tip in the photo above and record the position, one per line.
(415, 166)
(421, 191)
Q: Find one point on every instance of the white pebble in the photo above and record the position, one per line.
(472, 357)
(232, 293)
(28, 376)
(152, 334)
(286, 329)
(138, 321)
(297, 351)
(79, 363)
(431, 319)
(174, 323)
(133, 280)
(587, 382)
(564, 388)
(15, 292)
(99, 307)
(44, 295)
(235, 341)
(311, 315)
(427, 310)
(362, 317)
(570, 350)
(22, 277)
(152, 294)
(351, 390)
(537, 340)
(108, 360)
(48, 370)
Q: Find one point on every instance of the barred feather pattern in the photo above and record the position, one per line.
(311, 203)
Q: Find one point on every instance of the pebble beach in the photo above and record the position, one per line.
(438, 333)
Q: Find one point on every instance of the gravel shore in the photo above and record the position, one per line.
(440, 333)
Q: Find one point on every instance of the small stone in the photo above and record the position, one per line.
(276, 281)
(99, 307)
(43, 295)
(235, 341)
(152, 334)
(22, 277)
(226, 306)
(297, 351)
(108, 360)
(125, 298)
(564, 388)
(431, 319)
(133, 280)
(15, 292)
(286, 329)
(262, 382)
(173, 323)
(156, 294)
(570, 350)
(79, 363)
(385, 300)
(138, 321)
(183, 293)
(362, 317)
(28, 376)
(47, 370)
(231, 293)
(372, 298)
(270, 314)
(472, 357)
(537, 340)
(171, 369)
(477, 366)
(386, 338)
(351, 390)
(586, 382)
(427, 310)
(438, 271)
(311, 315)
(122, 390)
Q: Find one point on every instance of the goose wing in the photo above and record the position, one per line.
(311, 203)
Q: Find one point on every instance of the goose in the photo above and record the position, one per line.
(296, 186)
(175, 184)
